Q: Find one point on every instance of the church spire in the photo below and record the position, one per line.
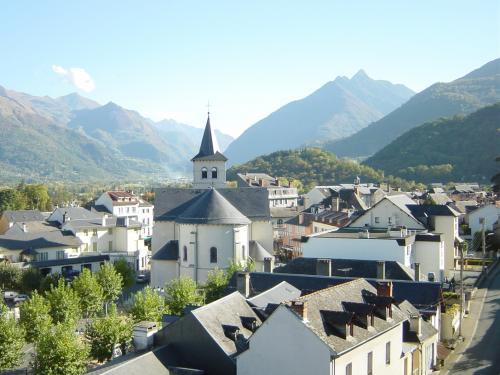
(209, 145)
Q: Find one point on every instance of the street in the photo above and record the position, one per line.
(482, 354)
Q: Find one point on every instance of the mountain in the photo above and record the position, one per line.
(313, 166)
(336, 110)
(456, 149)
(76, 102)
(462, 96)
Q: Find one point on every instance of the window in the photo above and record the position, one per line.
(389, 220)
(388, 353)
(110, 231)
(377, 219)
(204, 173)
(185, 254)
(43, 256)
(110, 246)
(94, 232)
(369, 365)
(243, 255)
(94, 247)
(85, 232)
(60, 254)
(214, 172)
(213, 255)
(348, 369)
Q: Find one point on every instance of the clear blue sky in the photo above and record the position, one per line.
(166, 59)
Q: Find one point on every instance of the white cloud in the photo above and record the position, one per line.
(78, 77)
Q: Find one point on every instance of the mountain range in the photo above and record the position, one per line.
(74, 138)
(462, 148)
(467, 94)
(336, 110)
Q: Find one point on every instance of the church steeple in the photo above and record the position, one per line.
(209, 165)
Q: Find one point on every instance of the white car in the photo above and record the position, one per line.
(20, 298)
(10, 295)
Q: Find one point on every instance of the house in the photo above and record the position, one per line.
(489, 213)
(209, 226)
(349, 328)
(279, 196)
(355, 196)
(9, 218)
(127, 204)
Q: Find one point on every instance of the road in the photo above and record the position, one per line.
(482, 356)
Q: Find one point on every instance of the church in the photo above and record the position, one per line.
(209, 226)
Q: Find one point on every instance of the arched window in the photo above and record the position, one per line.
(214, 172)
(213, 255)
(204, 173)
(185, 254)
(243, 254)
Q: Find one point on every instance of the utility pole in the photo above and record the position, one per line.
(461, 247)
(483, 241)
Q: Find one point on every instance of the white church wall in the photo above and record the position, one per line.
(162, 271)
(163, 232)
(262, 231)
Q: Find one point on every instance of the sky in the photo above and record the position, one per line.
(169, 59)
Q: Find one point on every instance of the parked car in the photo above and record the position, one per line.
(10, 295)
(20, 298)
(142, 278)
(70, 275)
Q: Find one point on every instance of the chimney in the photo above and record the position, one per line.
(243, 283)
(300, 308)
(381, 270)
(268, 264)
(384, 289)
(416, 266)
(323, 267)
(104, 220)
(416, 324)
(301, 218)
(25, 229)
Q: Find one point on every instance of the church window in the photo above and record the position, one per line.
(185, 254)
(204, 173)
(213, 255)
(214, 172)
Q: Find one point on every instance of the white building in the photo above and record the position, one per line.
(490, 213)
(126, 204)
(207, 227)
(279, 196)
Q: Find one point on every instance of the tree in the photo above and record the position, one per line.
(61, 352)
(31, 280)
(217, 281)
(127, 273)
(105, 332)
(148, 305)
(50, 280)
(64, 303)
(111, 283)
(35, 317)
(11, 339)
(180, 293)
(90, 293)
(11, 199)
(37, 197)
(10, 277)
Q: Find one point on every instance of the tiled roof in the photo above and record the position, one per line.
(23, 215)
(21, 241)
(281, 292)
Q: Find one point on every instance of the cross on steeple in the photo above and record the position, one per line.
(208, 107)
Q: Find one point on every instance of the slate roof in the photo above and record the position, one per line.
(427, 329)
(421, 210)
(225, 311)
(111, 222)
(23, 215)
(31, 227)
(76, 213)
(211, 207)
(21, 241)
(337, 299)
(281, 292)
(209, 148)
(425, 296)
(170, 251)
(253, 203)
(257, 251)
(70, 261)
(348, 268)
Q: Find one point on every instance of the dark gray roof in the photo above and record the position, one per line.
(21, 241)
(251, 202)
(282, 292)
(70, 261)
(31, 227)
(76, 213)
(168, 252)
(425, 296)
(23, 215)
(257, 251)
(211, 207)
(110, 222)
(421, 210)
(427, 329)
(348, 268)
(209, 148)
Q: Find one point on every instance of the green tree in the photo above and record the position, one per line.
(64, 303)
(10, 277)
(50, 280)
(105, 332)
(111, 283)
(61, 352)
(127, 273)
(35, 317)
(31, 280)
(11, 199)
(37, 197)
(11, 339)
(89, 292)
(180, 293)
(217, 281)
(149, 305)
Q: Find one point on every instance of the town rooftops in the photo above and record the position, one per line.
(170, 203)
(425, 210)
(109, 222)
(23, 216)
(72, 213)
(281, 292)
(27, 240)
